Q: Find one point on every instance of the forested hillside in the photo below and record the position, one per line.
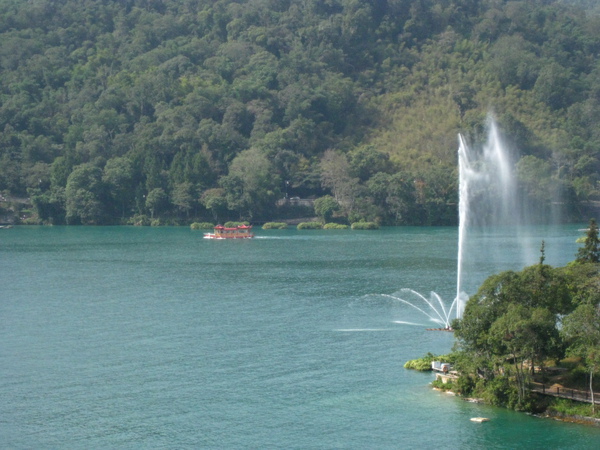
(131, 110)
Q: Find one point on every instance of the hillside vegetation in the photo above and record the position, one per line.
(187, 110)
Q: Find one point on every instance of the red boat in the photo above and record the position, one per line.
(239, 232)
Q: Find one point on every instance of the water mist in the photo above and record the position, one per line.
(487, 198)
(487, 195)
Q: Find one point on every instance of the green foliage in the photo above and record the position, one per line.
(251, 185)
(422, 364)
(275, 226)
(310, 226)
(365, 226)
(439, 384)
(139, 220)
(581, 330)
(202, 226)
(590, 252)
(499, 392)
(223, 105)
(83, 195)
(465, 385)
(118, 175)
(325, 207)
(520, 320)
(335, 226)
(537, 288)
(215, 201)
(156, 201)
(183, 197)
(337, 177)
(572, 408)
(49, 206)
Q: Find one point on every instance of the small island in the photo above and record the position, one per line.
(530, 340)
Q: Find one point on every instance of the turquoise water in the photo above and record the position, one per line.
(116, 337)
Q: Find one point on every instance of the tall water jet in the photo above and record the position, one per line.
(489, 208)
(487, 195)
(463, 210)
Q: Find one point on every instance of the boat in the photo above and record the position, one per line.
(479, 419)
(238, 232)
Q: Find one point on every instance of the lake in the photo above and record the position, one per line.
(123, 337)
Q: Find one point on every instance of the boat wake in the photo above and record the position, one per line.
(358, 330)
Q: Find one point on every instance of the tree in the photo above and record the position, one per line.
(325, 207)
(60, 170)
(584, 283)
(118, 176)
(552, 86)
(514, 61)
(251, 185)
(581, 330)
(50, 205)
(215, 201)
(336, 176)
(482, 309)
(156, 201)
(590, 252)
(387, 84)
(516, 312)
(366, 161)
(400, 198)
(524, 335)
(183, 197)
(84, 192)
(541, 285)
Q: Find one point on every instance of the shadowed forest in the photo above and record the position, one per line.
(135, 111)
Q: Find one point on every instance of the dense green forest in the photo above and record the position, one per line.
(132, 110)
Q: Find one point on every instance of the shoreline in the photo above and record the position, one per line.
(554, 415)
(583, 420)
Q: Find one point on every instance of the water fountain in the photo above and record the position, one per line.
(434, 308)
(487, 197)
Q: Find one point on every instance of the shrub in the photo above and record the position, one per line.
(31, 221)
(155, 223)
(325, 207)
(571, 408)
(465, 385)
(275, 226)
(202, 226)
(501, 392)
(422, 364)
(172, 222)
(310, 226)
(439, 384)
(139, 220)
(365, 226)
(335, 226)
